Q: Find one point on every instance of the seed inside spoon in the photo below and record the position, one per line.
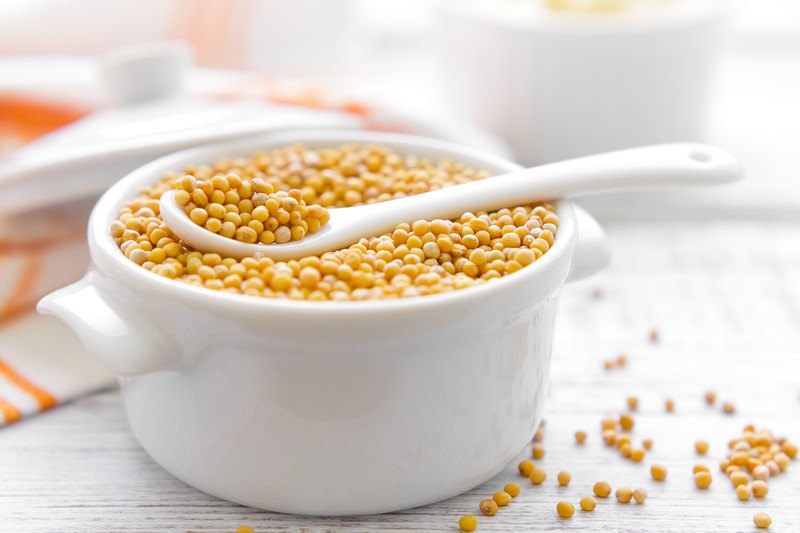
(249, 211)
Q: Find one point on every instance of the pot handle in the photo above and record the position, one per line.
(592, 253)
(112, 332)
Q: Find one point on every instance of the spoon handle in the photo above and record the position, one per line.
(651, 166)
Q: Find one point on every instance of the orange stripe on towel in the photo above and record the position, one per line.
(42, 397)
(10, 413)
(23, 292)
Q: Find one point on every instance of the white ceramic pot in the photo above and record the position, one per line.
(326, 408)
(558, 85)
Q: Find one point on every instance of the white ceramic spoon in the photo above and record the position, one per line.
(650, 166)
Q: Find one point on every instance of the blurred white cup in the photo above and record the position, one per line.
(558, 84)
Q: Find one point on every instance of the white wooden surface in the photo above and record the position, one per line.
(725, 296)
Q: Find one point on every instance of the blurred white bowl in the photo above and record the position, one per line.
(557, 85)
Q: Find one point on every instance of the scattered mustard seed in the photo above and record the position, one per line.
(633, 403)
(537, 451)
(626, 421)
(760, 488)
(538, 476)
(588, 504)
(702, 480)
(564, 478)
(602, 489)
(468, 523)
(743, 492)
(762, 520)
(565, 509)
(639, 495)
(701, 447)
(488, 507)
(624, 494)
(658, 472)
(502, 498)
(580, 437)
(512, 489)
(526, 467)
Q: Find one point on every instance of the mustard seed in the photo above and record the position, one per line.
(658, 472)
(602, 489)
(701, 447)
(537, 451)
(564, 478)
(647, 444)
(588, 504)
(637, 455)
(468, 523)
(626, 421)
(488, 507)
(728, 408)
(624, 494)
(633, 403)
(711, 397)
(526, 467)
(639, 495)
(702, 480)
(538, 476)
(565, 509)
(760, 488)
(669, 405)
(512, 489)
(580, 437)
(502, 498)
(743, 492)
(245, 529)
(762, 520)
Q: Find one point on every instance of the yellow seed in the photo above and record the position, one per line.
(537, 451)
(512, 489)
(789, 449)
(702, 480)
(468, 523)
(701, 447)
(626, 421)
(488, 507)
(588, 504)
(624, 494)
(526, 467)
(564, 478)
(760, 488)
(762, 520)
(580, 437)
(608, 423)
(728, 408)
(602, 489)
(711, 398)
(565, 509)
(637, 455)
(669, 405)
(739, 478)
(502, 498)
(538, 476)
(700, 468)
(639, 495)
(647, 444)
(743, 492)
(633, 403)
(658, 472)
(245, 529)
